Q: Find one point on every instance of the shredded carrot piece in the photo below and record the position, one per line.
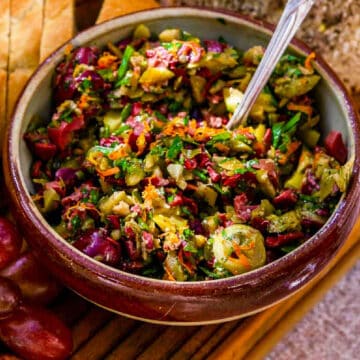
(221, 147)
(283, 158)
(109, 172)
(68, 49)
(192, 127)
(106, 60)
(191, 187)
(120, 152)
(149, 194)
(204, 133)
(242, 259)
(306, 109)
(174, 129)
(83, 102)
(244, 247)
(245, 261)
(37, 197)
(80, 206)
(237, 249)
(168, 273)
(259, 147)
(188, 267)
(308, 60)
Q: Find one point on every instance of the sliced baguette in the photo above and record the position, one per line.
(16, 83)
(26, 21)
(25, 33)
(4, 33)
(114, 8)
(59, 25)
(4, 63)
(3, 122)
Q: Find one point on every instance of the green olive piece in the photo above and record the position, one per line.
(239, 248)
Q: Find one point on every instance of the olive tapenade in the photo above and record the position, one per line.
(136, 168)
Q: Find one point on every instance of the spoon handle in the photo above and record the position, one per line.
(291, 19)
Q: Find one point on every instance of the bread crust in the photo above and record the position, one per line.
(114, 8)
(59, 25)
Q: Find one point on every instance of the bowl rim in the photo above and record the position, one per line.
(88, 265)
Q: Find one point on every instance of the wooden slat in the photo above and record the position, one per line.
(193, 344)
(94, 320)
(136, 342)
(106, 339)
(222, 333)
(167, 343)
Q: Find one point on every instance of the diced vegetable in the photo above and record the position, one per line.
(232, 98)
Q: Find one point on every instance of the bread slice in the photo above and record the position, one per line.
(4, 62)
(16, 83)
(26, 21)
(114, 8)
(59, 25)
(4, 33)
(25, 33)
(3, 122)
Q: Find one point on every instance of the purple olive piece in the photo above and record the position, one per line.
(197, 227)
(214, 46)
(124, 43)
(85, 55)
(65, 89)
(131, 250)
(195, 113)
(97, 82)
(285, 199)
(67, 175)
(97, 244)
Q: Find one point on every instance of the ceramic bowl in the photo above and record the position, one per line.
(161, 301)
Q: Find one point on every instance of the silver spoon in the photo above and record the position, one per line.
(291, 19)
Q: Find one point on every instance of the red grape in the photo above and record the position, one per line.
(10, 242)
(36, 284)
(10, 297)
(36, 334)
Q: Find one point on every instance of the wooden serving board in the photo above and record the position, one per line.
(99, 334)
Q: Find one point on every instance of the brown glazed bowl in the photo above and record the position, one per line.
(162, 301)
